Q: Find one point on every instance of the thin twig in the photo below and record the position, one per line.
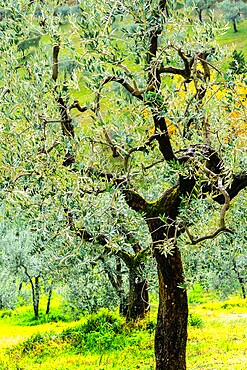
(210, 64)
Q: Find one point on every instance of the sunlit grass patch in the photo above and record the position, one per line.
(24, 315)
(222, 341)
(196, 295)
(101, 342)
(232, 305)
(217, 340)
(139, 357)
(236, 40)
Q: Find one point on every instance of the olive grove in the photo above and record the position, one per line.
(126, 149)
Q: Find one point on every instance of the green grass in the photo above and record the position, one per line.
(221, 343)
(236, 40)
(103, 341)
(217, 340)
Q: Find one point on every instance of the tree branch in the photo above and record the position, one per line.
(173, 70)
(206, 237)
(238, 183)
(55, 53)
(113, 147)
(46, 151)
(77, 105)
(139, 148)
(203, 61)
(226, 203)
(152, 164)
(138, 94)
(135, 201)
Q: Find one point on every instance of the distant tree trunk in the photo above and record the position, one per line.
(138, 301)
(199, 11)
(123, 305)
(240, 279)
(35, 295)
(35, 291)
(234, 25)
(117, 283)
(135, 305)
(48, 300)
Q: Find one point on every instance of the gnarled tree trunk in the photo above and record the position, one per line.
(171, 330)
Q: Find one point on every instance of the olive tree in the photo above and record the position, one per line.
(130, 253)
(86, 289)
(201, 6)
(234, 11)
(143, 122)
(221, 264)
(8, 289)
(28, 256)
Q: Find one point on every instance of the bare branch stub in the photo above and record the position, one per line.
(77, 105)
(55, 53)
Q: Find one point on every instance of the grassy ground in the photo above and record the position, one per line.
(217, 340)
(221, 340)
(236, 40)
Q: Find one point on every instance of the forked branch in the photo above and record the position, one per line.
(222, 226)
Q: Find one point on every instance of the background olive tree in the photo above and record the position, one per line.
(201, 6)
(220, 265)
(234, 11)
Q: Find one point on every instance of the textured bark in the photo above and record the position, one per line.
(171, 330)
(138, 300)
